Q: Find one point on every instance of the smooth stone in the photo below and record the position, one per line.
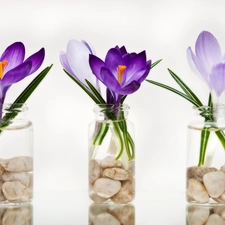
(106, 187)
(197, 173)
(105, 218)
(116, 173)
(126, 193)
(124, 213)
(197, 191)
(215, 219)
(220, 199)
(94, 197)
(15, 191)
(220, 210)
(94, 171)
(197, 215)
(214, 183)
(17, 216)
(110, 162)
(2, 197)
(18, 164)
(23, 177)
(131, 168)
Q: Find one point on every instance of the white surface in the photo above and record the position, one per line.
(71, 208)
(61, 111)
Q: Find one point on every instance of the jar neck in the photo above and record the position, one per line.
(211, 114)
(12, 111)
(111, 112)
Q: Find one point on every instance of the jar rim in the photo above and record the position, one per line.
(121, 107)
(14, 106)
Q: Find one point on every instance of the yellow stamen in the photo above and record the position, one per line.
(120, 69)
(2, 66)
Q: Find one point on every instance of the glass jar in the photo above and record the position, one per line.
(111, 155)
(206, 157)
(16, 155)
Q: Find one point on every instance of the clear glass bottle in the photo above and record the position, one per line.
(111, 155)
(206, 157)
(16, 155)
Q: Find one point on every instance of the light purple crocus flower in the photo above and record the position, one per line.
(14, 68)
(208, 62)
(76, 62)
(122, 72)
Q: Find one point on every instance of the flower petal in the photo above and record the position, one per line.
(17, 73)
(14, 54)
(217, 78)
(96, 65)
(77, 55)
(140, 78)
(65, 64)
(197, 66)
(113, 59)
(109, 80)
(134, 65)
(208, 50)
(36, 59)
(129, 89)
(90, 48)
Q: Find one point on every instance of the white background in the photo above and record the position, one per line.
(61, 111)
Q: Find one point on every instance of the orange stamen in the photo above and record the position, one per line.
(2, 66)
(120, 69)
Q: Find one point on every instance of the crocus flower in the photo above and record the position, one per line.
(76, 62)
(14, 68)
(121, 72)
(208, 62)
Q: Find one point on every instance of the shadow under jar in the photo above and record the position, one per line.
(16, 155)
(206, 157)
(111, 155)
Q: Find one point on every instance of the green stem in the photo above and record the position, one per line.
(102, 131)
(117, 131)
(203, 145)
(220, 134)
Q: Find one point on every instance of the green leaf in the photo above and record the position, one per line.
(185, 88)
(81, 86)
(24, 96)
(175, 91)
(203, 145)
(155, 63)
(96, 93)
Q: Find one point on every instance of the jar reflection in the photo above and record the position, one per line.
(108, 214)
(208, 215)
(19, 215)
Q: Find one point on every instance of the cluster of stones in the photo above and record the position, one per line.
(102, 214)
(205, 184)
(16, 179)
(108, 179)
(206, 215)
(16, 215)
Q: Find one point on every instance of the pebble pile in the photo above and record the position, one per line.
(106, 214)
(205, 185)
(16, 179)
(109, 180)
(206, 215)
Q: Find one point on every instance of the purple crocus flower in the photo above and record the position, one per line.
(14, 68)
(208, 62)
(122, 72)
(75, 62)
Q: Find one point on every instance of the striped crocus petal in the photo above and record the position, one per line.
(217, 79)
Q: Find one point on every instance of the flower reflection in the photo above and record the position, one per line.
(106, 214)
(205, 215)
(16, 215)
